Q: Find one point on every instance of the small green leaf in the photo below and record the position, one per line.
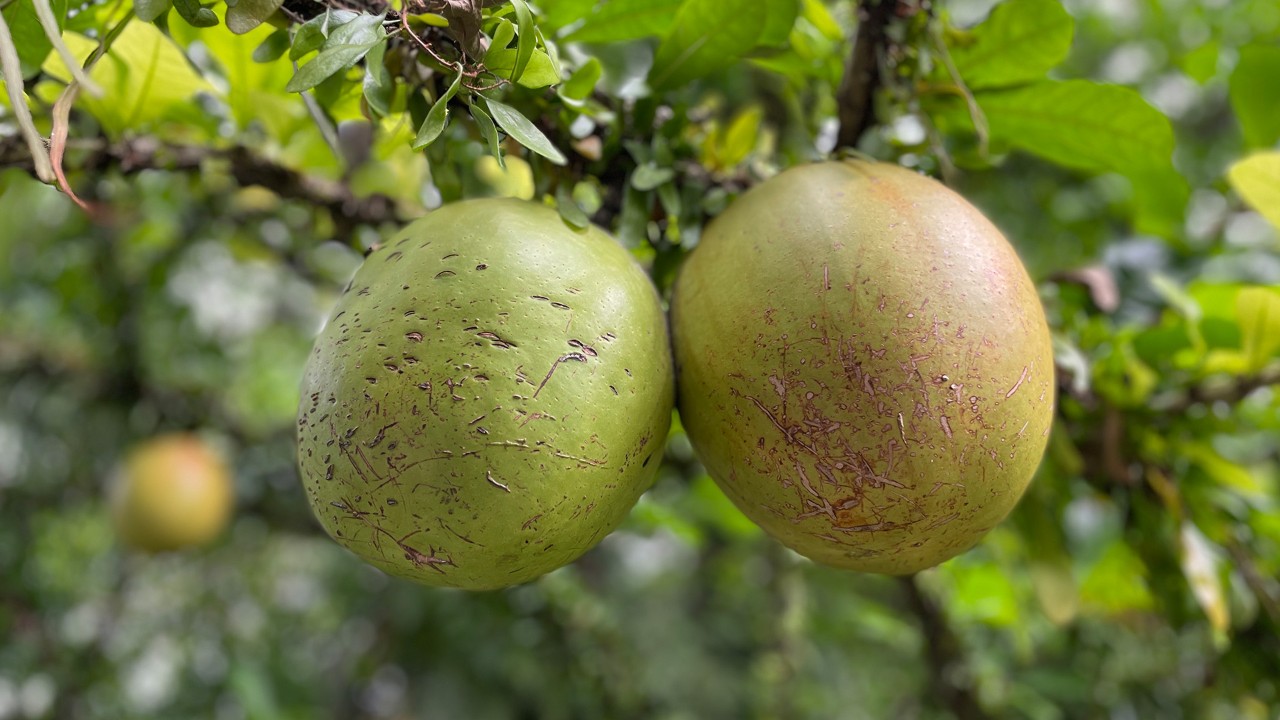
(583, 81)
(344, 48)
(195, 14)
(1201, 64)
(526, 41)
(649, 176)
(272, 48)
(378, 88)
(488, 130)
(438, 116)
(588, 197)
(538, 74)
(1257, 180)
(431, 19)
(1258, 312)
(148, 10)
(622, 20)
(503, 34)
(569, 209)
(525, 132)
(312, 33)
(249, 14)
(1255, 94)
(706, 36)
(1021, 41)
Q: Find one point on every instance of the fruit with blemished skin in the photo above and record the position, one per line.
(489, 398)
(171, 492)
(863, 365)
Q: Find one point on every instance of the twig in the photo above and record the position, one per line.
(856, 98)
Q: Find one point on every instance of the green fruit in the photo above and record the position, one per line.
(863, 364)
(489, 398)
(171, 492)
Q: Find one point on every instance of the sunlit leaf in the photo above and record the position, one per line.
(488, 131)
(526, 40)
(1258, 310)
(1257, 179)
(1021, 41)
(526, 133)
(144, 77)
(1200, 566)
(311, 34)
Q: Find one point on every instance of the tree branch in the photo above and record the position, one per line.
(244, 166)
(856, 98)
(942, 652)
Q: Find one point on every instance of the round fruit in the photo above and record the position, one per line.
(171, 492)
(863, 365)
(489, 398)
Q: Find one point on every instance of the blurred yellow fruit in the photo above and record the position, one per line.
(515, 181)
(173, 491)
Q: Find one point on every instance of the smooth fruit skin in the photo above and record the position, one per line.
(172, 492)
(863, 365)
(489, 398)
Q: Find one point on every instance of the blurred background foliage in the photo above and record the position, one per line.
(1137, 579)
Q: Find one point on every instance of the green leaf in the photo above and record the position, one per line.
(1258, 312)
(1200, 566)
(1257, 180)
(569, 209)
(583, 81)
(312, 33)
(488, 130)
(503, 34)
(538, 74)
(344, 48)
(622, 20)
(741, 136)
(780, 18)
(437, 117)
(149, 10)
(28, 35)
(273, 48)
(525, 132)
(556, 14)
(379, 88)
(195, 14)
(526, 41)
(649, 176)
(1255, 94)
(1201, 64)
(246, 15)
(1020, 42)
(707, 35)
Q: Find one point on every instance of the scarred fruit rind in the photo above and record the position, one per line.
(864, 365)
(488, 399)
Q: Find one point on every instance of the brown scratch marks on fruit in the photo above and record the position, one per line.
(583, 460)
(488, 475)
(576, 357)
(380, 436)
(529, 523)
(902, 427)
(946, 425)
(497, 341)
(942, 521)
(788, 433)
(826, 277)
(1021, 378)
(445, 274)
(804, 480)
